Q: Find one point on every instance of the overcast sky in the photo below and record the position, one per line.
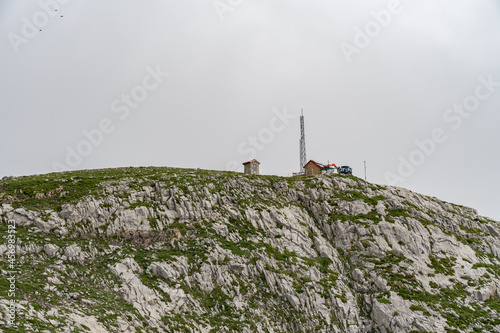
(202, 83)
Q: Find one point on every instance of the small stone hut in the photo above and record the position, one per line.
(252, 167)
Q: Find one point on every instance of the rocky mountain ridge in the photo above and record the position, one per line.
(181, 250)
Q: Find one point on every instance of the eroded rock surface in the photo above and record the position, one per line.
(173, 250)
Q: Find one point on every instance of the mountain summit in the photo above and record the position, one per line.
(181, 250)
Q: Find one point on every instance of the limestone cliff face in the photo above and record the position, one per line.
(177, 250)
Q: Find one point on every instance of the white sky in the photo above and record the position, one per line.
(229, 71)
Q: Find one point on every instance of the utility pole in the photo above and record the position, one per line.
(365, 170)
(303, 158)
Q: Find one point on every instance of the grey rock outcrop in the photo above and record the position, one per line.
(158, 249)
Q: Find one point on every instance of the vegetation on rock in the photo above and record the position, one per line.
(181, 250)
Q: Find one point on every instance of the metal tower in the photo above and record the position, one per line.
(303, 158)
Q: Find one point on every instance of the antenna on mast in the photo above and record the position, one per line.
(303, 158)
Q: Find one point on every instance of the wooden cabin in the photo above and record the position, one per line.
(312, 168)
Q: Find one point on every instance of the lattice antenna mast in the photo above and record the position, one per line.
(303, 158)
